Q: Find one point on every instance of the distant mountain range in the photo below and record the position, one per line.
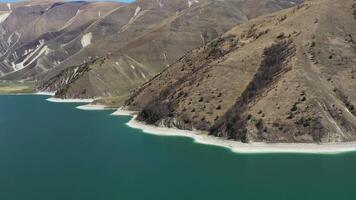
(105, 49)
(283, 77)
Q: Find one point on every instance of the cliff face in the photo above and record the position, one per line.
(284, 77)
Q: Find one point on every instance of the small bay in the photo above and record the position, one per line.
(53, 151)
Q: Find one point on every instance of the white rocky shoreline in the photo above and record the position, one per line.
(239, 147)
(88, 106)
(58, 100)
(204, 138)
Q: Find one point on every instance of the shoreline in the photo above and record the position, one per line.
(88, 106)
(203, 138)
(94, 107)
(123, 112)
(45, 93)
(58, 100)
(239, 147)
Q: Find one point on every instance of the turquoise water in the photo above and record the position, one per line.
(52, 151)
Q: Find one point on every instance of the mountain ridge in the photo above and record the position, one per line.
(155, 36)
(284, 77)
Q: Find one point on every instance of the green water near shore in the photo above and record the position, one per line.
(51, 151)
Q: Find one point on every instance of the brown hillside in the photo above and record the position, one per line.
(285, 77)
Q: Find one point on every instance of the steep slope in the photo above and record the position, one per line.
(285, 77)
(151, 35)
(36, 36)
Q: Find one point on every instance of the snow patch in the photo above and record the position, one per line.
(133, 18)
(191, 2)
(9, 6)
(132, 67)
(71, 20)
(10, 40)
(57, 62)
(39, 50)
(138, 9)
(143, 75)
(86, 39)
(160, 3)
(4, 16)
(75, 70)
(47, 50)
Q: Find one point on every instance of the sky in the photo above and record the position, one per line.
(128, 1)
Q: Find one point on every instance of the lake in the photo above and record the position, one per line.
(53, 151)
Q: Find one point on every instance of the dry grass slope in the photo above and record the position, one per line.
(284, 77)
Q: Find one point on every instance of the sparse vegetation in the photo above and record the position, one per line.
(274, 63)
(268, 80)
(294, 107)
(306, 122)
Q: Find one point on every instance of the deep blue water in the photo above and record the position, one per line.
(52, 151)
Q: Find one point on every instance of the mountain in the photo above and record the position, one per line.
(36, 36)
(285, 77)
(105, 49)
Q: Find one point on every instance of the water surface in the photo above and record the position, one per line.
(52, 151)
